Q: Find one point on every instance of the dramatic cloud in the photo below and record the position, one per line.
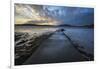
(53, 15)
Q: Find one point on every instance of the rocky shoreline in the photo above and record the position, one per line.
(26, 44)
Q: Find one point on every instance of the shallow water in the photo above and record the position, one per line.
(57, 48)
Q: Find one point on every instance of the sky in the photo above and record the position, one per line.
(53, 15)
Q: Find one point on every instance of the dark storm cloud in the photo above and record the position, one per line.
(71, 15)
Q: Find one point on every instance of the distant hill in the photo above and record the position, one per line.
(88, 26)
(63, 25)
(34, 25)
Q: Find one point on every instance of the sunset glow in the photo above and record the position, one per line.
(52, 15)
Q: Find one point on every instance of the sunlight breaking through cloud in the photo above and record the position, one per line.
(52, 15)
